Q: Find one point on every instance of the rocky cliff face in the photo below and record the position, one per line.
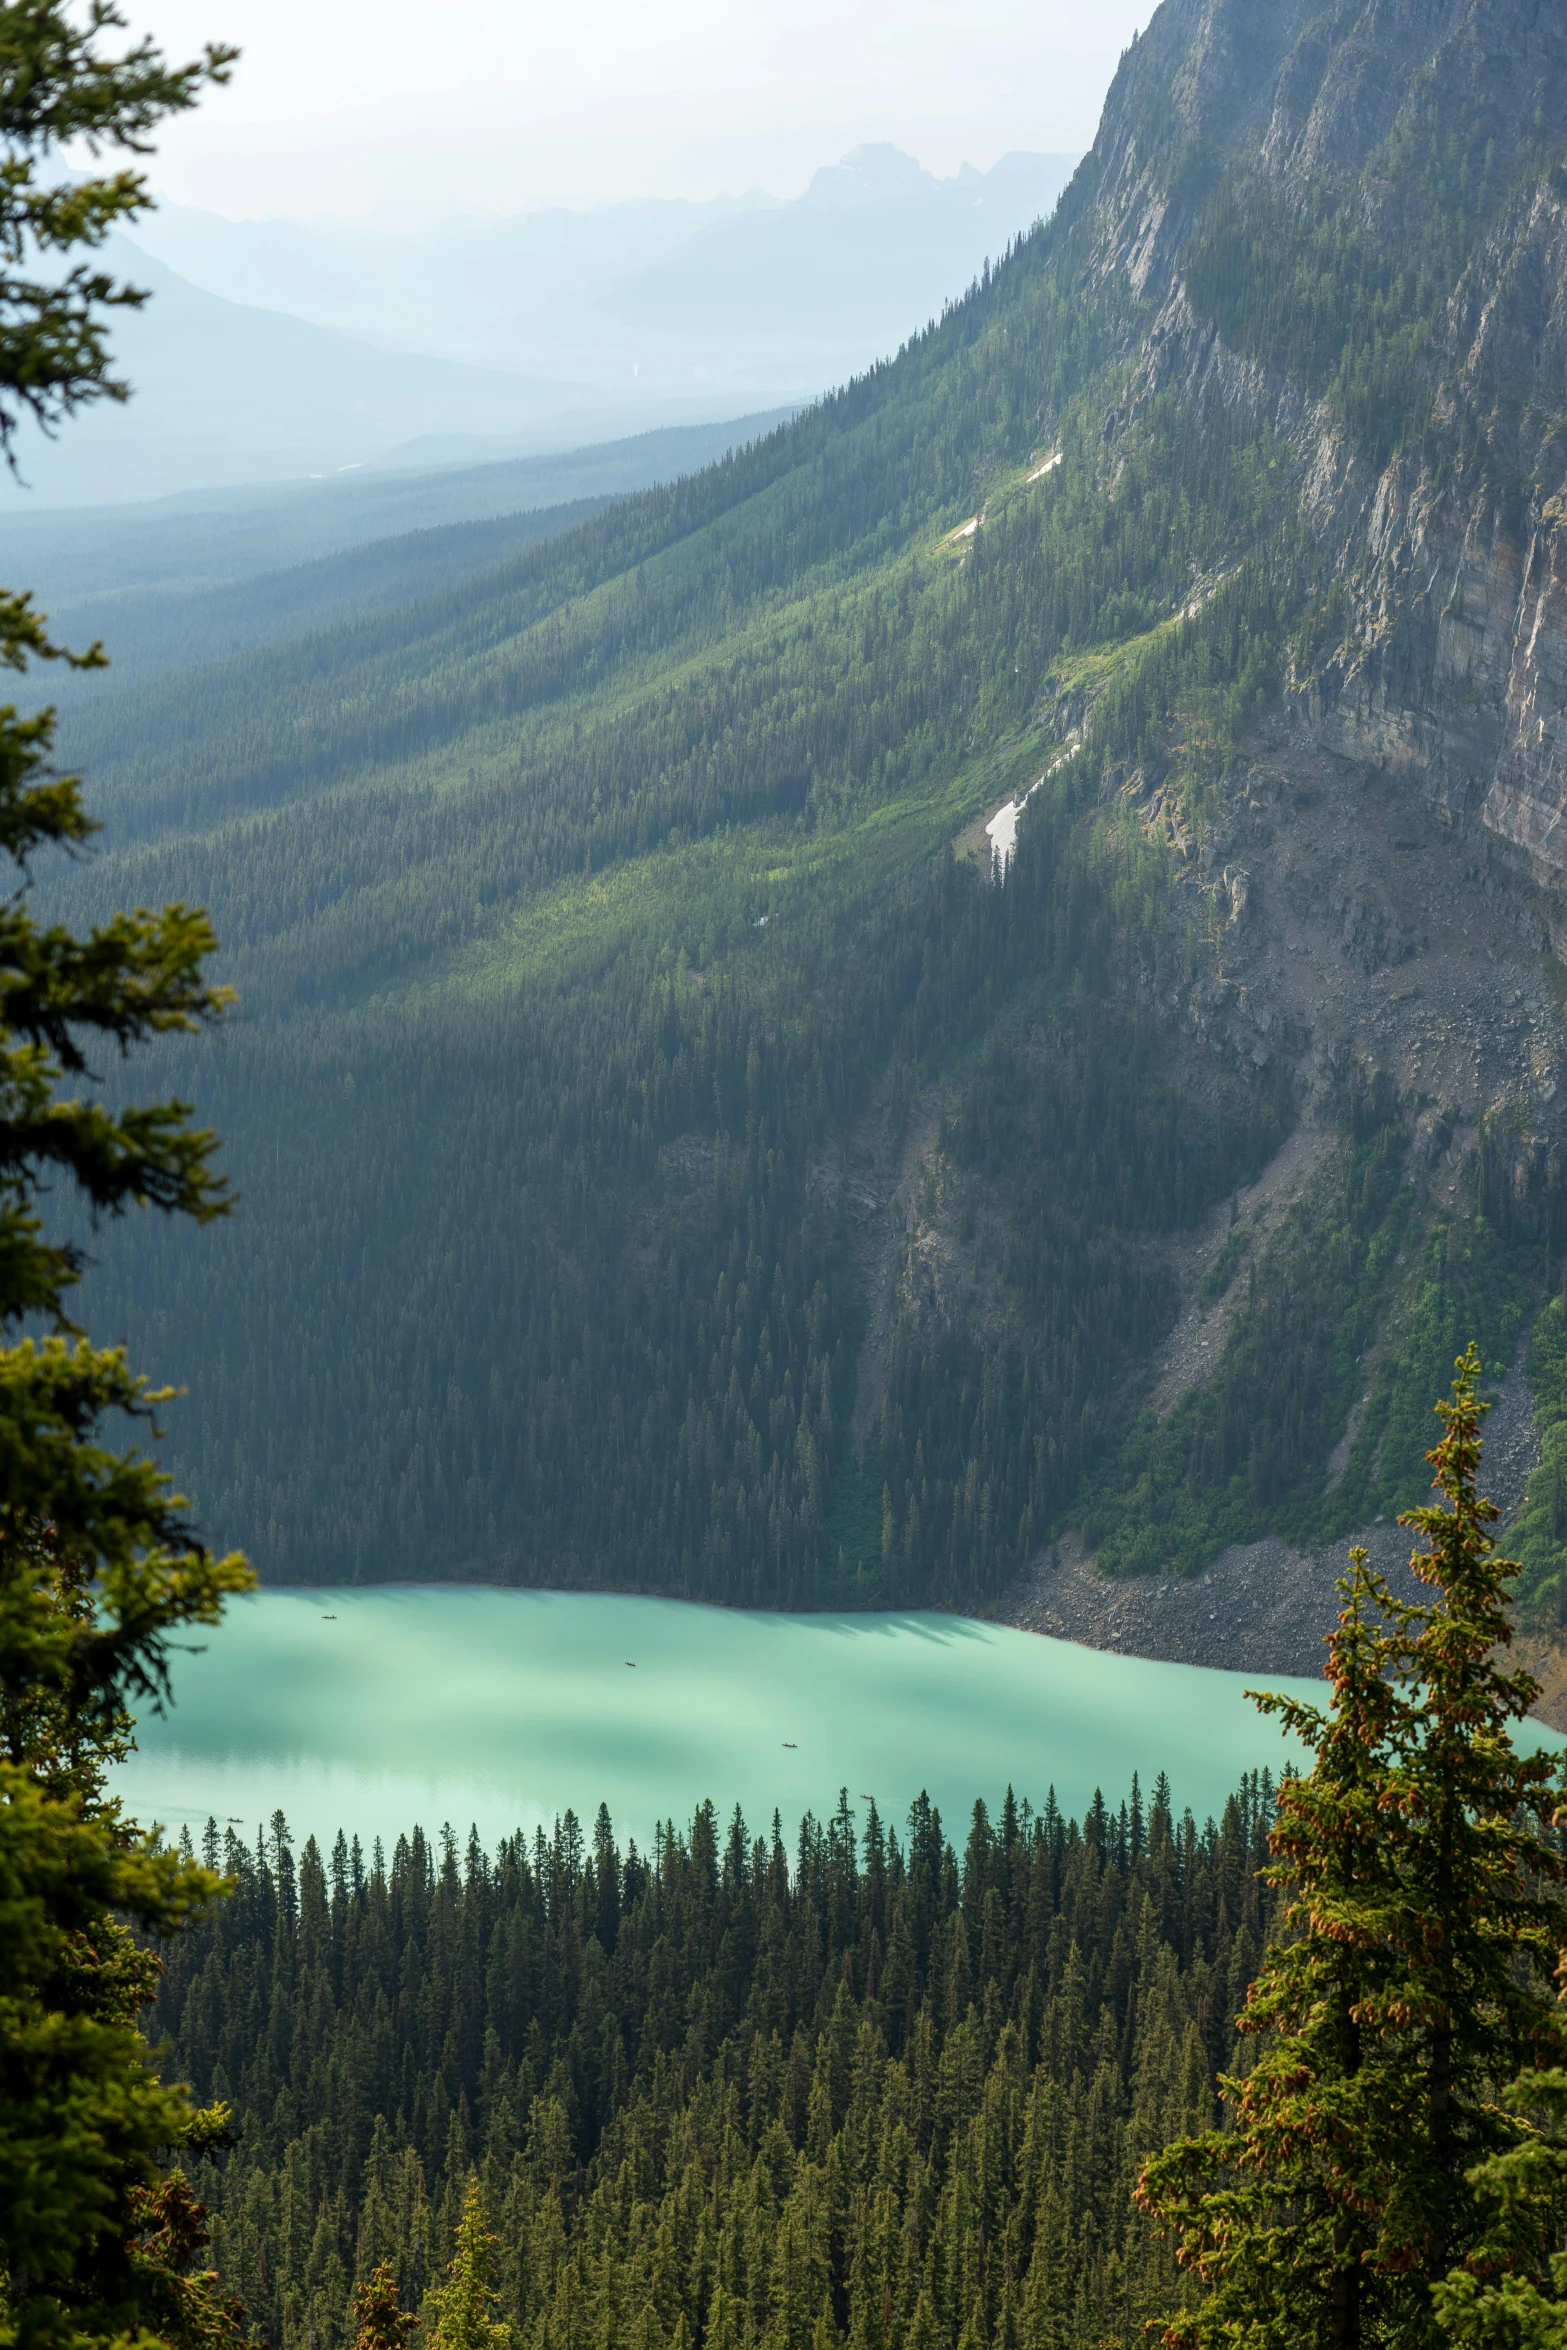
(1452, 547)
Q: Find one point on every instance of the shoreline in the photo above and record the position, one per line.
(1267, 1607)
(1262, 1608)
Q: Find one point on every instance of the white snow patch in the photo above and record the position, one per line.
(1001, 831)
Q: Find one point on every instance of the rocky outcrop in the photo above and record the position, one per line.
(1527, 801)
(1452, 668)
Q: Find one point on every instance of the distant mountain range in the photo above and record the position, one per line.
(273, 350)
(229, 393)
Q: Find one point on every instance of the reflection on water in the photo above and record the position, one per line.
(374, 1709)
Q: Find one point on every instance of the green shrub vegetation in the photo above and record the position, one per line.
(1345, 1325)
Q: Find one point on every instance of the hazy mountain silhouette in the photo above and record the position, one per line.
(273, 350)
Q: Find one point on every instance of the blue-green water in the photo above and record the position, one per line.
(374, 1709)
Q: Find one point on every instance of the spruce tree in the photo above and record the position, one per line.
(1421, 1935)
(178, 2303)
(464, 2307)
(98, 1565)
(378, 2318)
(1511, 2293)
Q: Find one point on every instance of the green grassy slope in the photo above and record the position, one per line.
(604, 956)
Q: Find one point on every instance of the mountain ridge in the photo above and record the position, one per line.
(1445, 679)
(169, 582)
(495, 291)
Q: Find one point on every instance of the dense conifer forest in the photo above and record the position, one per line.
(858, 2087)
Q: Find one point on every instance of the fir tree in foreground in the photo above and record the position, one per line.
(97, 1566)
(1421, 1935)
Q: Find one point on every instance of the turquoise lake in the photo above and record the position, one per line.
(372, 1709)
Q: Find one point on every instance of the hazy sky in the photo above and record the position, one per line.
(359, 106)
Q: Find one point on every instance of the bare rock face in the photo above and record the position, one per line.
(1527, 801)
(1452, 672)
(1460, 672)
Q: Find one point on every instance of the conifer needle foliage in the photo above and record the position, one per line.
(463, 2307)
(60, 91)
(1511, 2292)
(98, 1566)
(1421, 1933)
(378, 2318)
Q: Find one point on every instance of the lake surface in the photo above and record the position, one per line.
(372, 1709)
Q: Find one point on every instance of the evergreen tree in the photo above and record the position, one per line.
(183, 2309)
(729, 2101)
(1511, 2294)
(97, 1564)
(58, 90)
(378, 2317)
(464, 2306)
(1421, 1933)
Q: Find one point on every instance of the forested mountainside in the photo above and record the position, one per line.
(723, 2092)
(181, 581)
(672, 1158)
